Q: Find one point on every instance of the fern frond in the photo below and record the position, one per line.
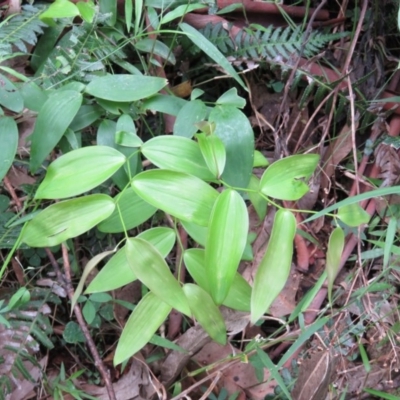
(20, 29)
(268, 43)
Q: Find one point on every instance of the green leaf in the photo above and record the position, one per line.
(203, 43)
(196, 232)
(87, 10)
(284, 179)
(133, 210)
(138, 16)
(259, 203)
(53, 120)
(188, 117)
(181, 195)
(125, 87)
(106, 137)
(206, 312)
(79, 171)
(127, 139)
(353, 215)
(333, 256)
(85, 117)
(60, 9)
(128, 14)
(179, 12)
(10, 96)
(117, 272)
(109, 7)
(89, 312)
(259, 160)
(274, 267)
(226, 240)
(157, 48)
(238, 297)
(235, 131)
(73, 333)
(9, 144)
(231, 98)
(151, 269)
(177, 154)
(214, 153)
(144, 321)
(355, 199)
(67, 219)
(164, 103)
(34, 96)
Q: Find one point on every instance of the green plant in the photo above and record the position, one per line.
(183, 186)
(62, 385)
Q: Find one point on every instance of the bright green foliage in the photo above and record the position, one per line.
(67, 219)
(149, 266)
(9, 140)
(353, 215)
(333, 256)
(52, 122)
(173, 192)
(226, 240)
(206, 312)
(144, 321)
(79, 171)
(274, 268)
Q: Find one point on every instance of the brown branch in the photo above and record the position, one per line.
(78, 313)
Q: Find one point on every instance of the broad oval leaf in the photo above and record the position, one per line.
(9, 143)
(177, 154)
(353, 215)
(274, 267)
(144, 321)
(284, 179)
(79, 171)
(236, 133)
(226, 240)
(151, 269)
(333, 256)
(117, 272)
(125, 87)
(67, 219)
(133, 210)
(238, 297)
(206, 312)
(184, 196)
(53, 120)
(189, 115)
(214, 154)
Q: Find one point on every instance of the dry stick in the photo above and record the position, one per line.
(78, 313)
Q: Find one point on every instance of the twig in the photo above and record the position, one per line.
(78, 313)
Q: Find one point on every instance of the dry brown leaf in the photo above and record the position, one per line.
(314, 377)
(240, 375)
(134, 385)
(193, 341)
(339, 148)
(388, 160)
